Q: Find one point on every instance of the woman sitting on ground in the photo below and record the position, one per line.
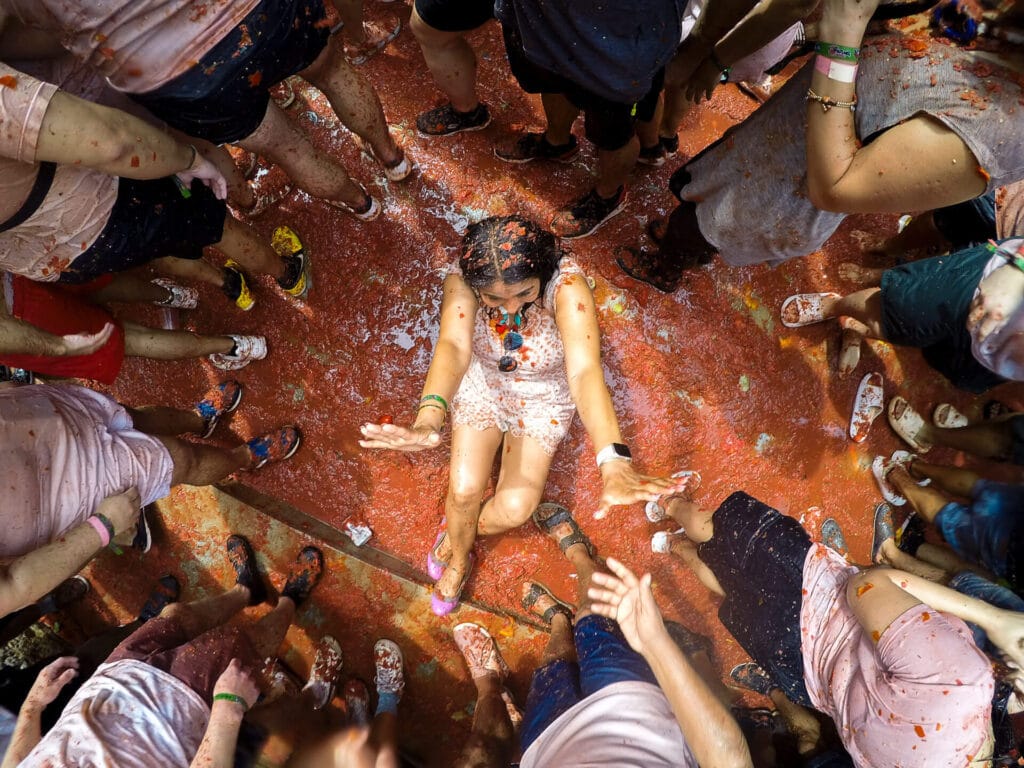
(519, 351)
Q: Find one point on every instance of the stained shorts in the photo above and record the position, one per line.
(455, 15)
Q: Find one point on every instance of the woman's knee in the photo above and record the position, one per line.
(464, 495)
(516, 506)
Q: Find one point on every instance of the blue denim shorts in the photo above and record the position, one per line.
(604, 658)
(983, 531)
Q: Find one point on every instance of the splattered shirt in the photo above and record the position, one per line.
(138, 45)
(918, 696)
(1002, 351)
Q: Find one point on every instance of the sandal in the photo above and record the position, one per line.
(946, 416)
(867, 406)
(650, 268)
(480, 651)
(833, 538)
(808, 308)
(752, 677)
(435, 565)
(549, 516)
(690, 478)
(534, 591)
(883, 530)
(441, 605)
(880, 468)
(907, 423)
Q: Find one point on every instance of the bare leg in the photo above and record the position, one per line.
(893, 556)
(877, 602)
(946, 559)
(202, 464)
(989, 439)
(560, 114)
(128, 288)
(318, 174)
(614, 167)
(676, 108)
(648, 131)
(920, 237)
(800, 722)
(450, 60)
(189, 269)
(160, 344)
(524, 473)
(384, 738)
(954, 480)
(489, 743)
(926, 501)
(162, 420)
(241, 243)
(201, 616)
(268, 633)
(353, 98)
(863, 306)
(687, 552)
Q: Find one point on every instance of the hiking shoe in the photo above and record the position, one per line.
(357, 702)
(752, 677)
(287, 245)
(378, 35)
(588, 214)
(243, 560)
(323, 677)
(236, 288)
(653, 156)
(274, 446)
(304, 574)
(245, 350)
(179, 296)
(67, 592)
(220, 399)
(368, 212)
(535, 146)
(143, 539)
(446, 120)
(670, 144)
(480, 651)
(388, 660)
(167, 591)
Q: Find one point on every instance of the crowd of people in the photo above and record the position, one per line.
(117, 186)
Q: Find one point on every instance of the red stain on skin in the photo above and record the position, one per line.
(875, 635)
(135, 161)
(9, 81)
(864, 588)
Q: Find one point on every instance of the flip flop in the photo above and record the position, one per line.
(833, 538)
(881, 467)
(549, 516)
(654, 510)
(908, 424)
(867, 406)
(946, 416)
(883, 529)
(808, 307)
(533, 592)
(435, 565)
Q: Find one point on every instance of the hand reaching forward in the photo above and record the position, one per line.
(207, 173)
(629, 601)
(623, 485)
(399, 438)
(52, 678)
(237, 681)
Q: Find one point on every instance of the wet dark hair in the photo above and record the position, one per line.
(509, 249)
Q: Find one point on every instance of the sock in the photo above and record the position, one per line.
(387, 702)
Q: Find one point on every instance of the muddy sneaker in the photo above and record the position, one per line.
(143, 538)
(323, 677)
(378, 35)
(304, 574)
(357, 702)
(236, 288)
(220, 399)
(287, 245)
(670, 144)
(245, 350)
(274, 446)
(653, 156)
(446, 120)
(166, 591)
(67, 592)
(535, 146)
(588, 214)
(369, 211)
(480, 651)
(178, 296)
(388, 660)
(243, 560)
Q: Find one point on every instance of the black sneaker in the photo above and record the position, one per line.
(535, 146)
(166, 592)
(587, 214)
(236, 288)
(446, 120)
(67, 592)
(671, 145)
(304, 575)
(247, 573)
(653, 156)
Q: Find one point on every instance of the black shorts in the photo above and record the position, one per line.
(150, 220)
(925, 305)
(224, 97)
(969, 223)
(1017, 437)
(455, 15)
(757, 554)
(608, 124)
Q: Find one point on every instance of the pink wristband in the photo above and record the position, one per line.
(840, 71)
(101, 529)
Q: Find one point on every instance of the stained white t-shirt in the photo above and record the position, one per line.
(625, 725)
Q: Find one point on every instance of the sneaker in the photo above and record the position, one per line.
(246, 349)
(287, 245)
(304, 575)
(274, 446)
(243, 560)
(357, 702)
(671, 145)
(388, 660)
(143, 540)
(446, 120)
(220, 399)
(587, 214)
(480, 651)
(535, 146)
(370, 210)
(167, 591)
(378, 35)
(283, 94)
(653, 156)
(236, 288)
(323, 677)
(400, 170)
(179, 296)
(67, 592)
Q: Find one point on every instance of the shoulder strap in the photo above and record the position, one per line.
(41, 187)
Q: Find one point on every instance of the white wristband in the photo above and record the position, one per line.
(608, 453)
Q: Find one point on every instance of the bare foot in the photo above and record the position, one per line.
(855, 273)
(849, 351)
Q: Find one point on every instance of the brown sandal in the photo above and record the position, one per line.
(533, 592)
(648, 268)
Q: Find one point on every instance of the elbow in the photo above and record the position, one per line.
(824, 197)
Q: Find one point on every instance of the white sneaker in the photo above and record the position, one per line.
(401, 171)
(661, 541)
(247, 349)
(388, 661)
(369, 214)
(181, 296)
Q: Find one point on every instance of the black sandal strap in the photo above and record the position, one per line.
(579, 537)
(549, 614)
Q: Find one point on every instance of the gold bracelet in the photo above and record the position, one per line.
(828, 102)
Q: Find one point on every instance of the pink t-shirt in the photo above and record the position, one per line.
(79, 202)
(138, 45)
(920, 697)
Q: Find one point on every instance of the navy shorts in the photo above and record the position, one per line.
(604, 657)
(925, 305)
(455, 15)
(969, 223)
(224, 97)
(757, 554)
(151, 219)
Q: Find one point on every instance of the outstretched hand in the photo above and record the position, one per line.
(52, 678)
(399, 438)
(999, 295)
(623, 485)
(629, 601)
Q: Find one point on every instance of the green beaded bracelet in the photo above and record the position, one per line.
(837, 52)
(232, 697)
(438, 398)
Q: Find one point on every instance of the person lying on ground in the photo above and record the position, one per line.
(885, 654)
(519, 352)
(174, 692)
(78, 467)
(964, 311)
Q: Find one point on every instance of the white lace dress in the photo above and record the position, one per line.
(533, 400)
